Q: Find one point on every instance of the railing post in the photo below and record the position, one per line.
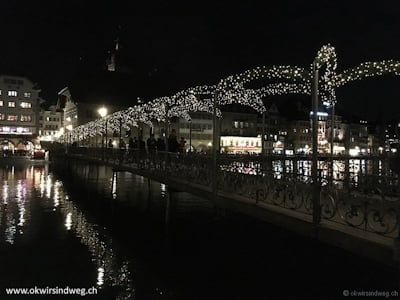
(314, 169)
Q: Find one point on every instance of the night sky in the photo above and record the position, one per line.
(53, 42)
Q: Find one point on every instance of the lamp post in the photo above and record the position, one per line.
(103, 113)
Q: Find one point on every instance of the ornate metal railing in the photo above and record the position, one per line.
(366, 200)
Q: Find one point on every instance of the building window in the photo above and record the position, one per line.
(11, 104)
(2, 117)
(27, 94)
(12, 118)
(26, 104)
(1, 103)
(26, 118)
(12, 93)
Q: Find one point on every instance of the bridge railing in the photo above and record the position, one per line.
(366, 201)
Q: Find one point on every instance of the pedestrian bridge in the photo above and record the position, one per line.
(359, 210)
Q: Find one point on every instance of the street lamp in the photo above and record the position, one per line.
(103, 113)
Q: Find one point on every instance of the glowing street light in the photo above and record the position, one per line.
(102, 111)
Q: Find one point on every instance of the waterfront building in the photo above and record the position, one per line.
(50, 123)
(240, 144)
(358, 138)
(339, 131)
(19, 113)
(275, 130)
(197, 132)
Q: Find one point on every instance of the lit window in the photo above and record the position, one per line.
(26, 118)
(12, 118)
(2, 117)
(12, 93)
(1, 103)
(11, 104)
(27, 95)
(0, 92)
(26, 104)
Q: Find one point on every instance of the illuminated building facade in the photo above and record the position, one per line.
(50, 122)
(240, 145)
(199, 129)
(19, 113)
(275, 130)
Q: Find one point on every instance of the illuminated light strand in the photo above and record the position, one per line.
(367, 69)
(327, 55)
(231, 90)
(269, 72)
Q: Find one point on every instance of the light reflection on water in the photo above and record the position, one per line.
(34, 185)
(110, 267)
(357, 170)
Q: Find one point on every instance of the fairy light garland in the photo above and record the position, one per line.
(232, 89)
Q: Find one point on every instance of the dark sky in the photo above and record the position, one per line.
(52, 42)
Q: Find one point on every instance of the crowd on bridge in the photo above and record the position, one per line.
(152, 144)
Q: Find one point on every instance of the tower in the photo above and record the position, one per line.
(111, 62)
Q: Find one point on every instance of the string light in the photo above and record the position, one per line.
(232, 90)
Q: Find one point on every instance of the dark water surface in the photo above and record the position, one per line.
(78, 225)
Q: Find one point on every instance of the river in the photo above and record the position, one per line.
(81, 225)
